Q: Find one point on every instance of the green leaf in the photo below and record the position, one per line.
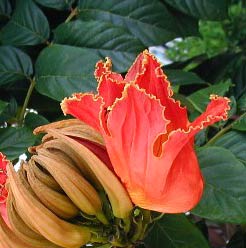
(104, 39)
(10, 111)
(180, 77)
(33, 120)
(56, 4)
(15, 141)
(5, 8)
(224, 198)
(3, 106)
(233, 107)
(240, 124)
(235, 142)
(62, 70)
(201, 137)
(202, 9)
(187, 25)
(27, 26)
(14, 65)
(241, 103)
(150, 22)
(200, 98)
(239, 77)
(175, 231)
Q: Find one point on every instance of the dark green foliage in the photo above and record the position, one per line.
(49, 49)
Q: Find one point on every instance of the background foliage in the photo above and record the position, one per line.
(49, 49)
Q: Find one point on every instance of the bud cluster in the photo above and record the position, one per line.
(67, 194)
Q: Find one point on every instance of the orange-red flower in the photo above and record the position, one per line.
(148, 136)
(3, 190)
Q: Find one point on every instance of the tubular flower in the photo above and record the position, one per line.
(148, 136)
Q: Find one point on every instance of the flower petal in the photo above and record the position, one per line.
(105, 68)
(3, 178)
(85, 107)
(183, 184)
(110, 85)
(217, 110)
(109, 90)
(147, 73)
(134, 124)
(184, 179)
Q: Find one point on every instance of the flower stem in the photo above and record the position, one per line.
(28, 95)
(73, 13)
(158, 217)
(222, 131)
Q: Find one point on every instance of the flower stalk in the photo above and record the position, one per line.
(26, 101)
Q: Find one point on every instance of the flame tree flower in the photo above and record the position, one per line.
(3, 190)
(148, 136)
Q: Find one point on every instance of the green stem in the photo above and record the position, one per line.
(99, 239)
(73, 13)
(28, 95)
(158, 217)
(222, 131)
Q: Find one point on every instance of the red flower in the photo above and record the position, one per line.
(148, 136)
(3, 190)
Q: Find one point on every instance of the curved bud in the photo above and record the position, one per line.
(22, 231)
(74, 128)
(57, 202)
(8, 239)
(119, 199)
(44, 177)
(82, 194)
(48, 224)
(65, 148)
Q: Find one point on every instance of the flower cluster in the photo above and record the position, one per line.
(132, 147)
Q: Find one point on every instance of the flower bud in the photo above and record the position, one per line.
(56, 230)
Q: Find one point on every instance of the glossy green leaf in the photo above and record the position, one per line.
(56, 4)
(3, 106)
(224, 198)
(241, 103)
(9, 112)
(200, 98)
(239, 77)
(180, 77)
(5, 8)
(62, 70)
(175, 231)
(14, 65)
(15, 141)
(33, 120)
(235, 142)
(202, 9)
(201, 137)
(27, 26)
(233, 107)
(240, 124)
(150, 22)
(105, 39)
(187, 25)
